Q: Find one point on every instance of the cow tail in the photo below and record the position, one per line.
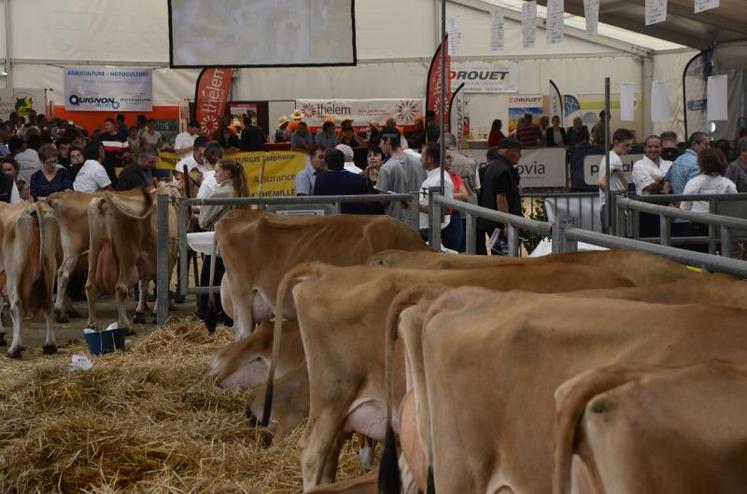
(570, 401)
(431, 485)
(389, 472)
(39, 296)
(211, 316)
(295, 275)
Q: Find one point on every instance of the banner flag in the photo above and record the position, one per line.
(433, 93)
(556, 102)
(211, 96)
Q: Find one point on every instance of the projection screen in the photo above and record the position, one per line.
(261, 33)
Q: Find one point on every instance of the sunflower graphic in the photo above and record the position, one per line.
(308, 110)
(406, 110)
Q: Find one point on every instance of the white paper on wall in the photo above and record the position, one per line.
(496, 30)
(716, 93)
(656, 11)
(660, 111)
(452, 29)
(702, 5)
(529, 23)
(626, 101)
(554, 25)
(591, 12)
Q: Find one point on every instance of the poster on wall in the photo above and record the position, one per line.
(485, 77)
(22, 101)
(108, 89)
(361, 111)
(538, 167)
(518, 106)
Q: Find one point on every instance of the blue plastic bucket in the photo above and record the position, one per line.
(100, 342)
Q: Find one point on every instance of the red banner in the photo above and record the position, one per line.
(433, 95)
(211, 96)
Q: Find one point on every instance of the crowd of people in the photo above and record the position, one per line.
(701, 168)
(39, 157)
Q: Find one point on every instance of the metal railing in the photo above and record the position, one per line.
(183, 211)
(584, 206)
(565, 237)
(513, 223)
(721, 228)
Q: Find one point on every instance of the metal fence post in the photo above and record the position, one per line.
(558, 236)
(665, 230)
(726, 247)
(162, 259)
(513, 241)
(471, 226)
(182, 220)
(619, 220)
(434, 219)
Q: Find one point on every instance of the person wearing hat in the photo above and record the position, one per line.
(281, 134)
(296, 118)
(499, 191)
(327, 137)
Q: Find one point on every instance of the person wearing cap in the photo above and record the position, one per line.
(326, 137)
(500, 190)
(281, 134)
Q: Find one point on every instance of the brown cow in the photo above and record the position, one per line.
(409, 308)
(28, 235)
(71, 210)
(259, 247)
(493, 362)
(122, 239)
(342, 314)
(631, 429)
(641, 268)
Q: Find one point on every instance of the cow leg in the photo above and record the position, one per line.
(16, 346)
(320, 441)
(244, 324)
(93, 256)
(50, 344)
(120, 290)
(332, 460)
(142, 304)
(2, 328)
(62, 304)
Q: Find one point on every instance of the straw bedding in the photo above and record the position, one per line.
(146, 420)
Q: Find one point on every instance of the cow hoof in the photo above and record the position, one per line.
(14, 352)
(2, 340)
(49, 349)
(139, 318)
(266, 436)
(179, 299)
(60, 317)
(130, 332)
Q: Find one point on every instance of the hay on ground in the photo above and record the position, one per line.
(146, 420)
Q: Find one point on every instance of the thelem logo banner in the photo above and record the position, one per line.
(211, 97)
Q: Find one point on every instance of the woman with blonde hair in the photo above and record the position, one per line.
(231, 179)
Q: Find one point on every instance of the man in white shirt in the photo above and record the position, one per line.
(184, 141)
(650, 172)
(622, 140)
(195, 161)
(92, 176)
(431, 159)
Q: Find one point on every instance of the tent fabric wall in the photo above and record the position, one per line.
(395, 41)
(669, 67)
